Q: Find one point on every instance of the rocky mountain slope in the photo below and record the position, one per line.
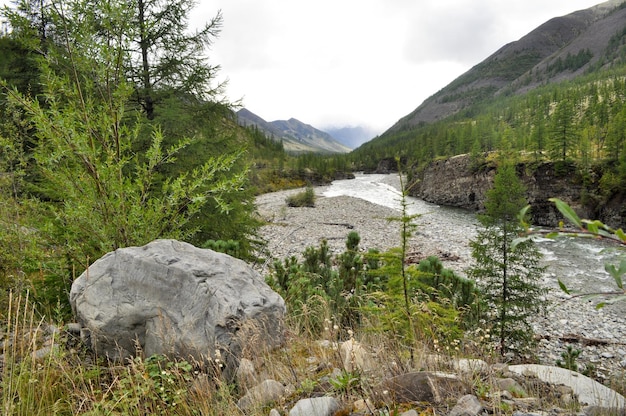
(297, 137)
(560, 49)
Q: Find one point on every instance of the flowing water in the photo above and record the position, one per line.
(579, 263)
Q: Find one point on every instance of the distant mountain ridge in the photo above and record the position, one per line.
(352, 137)
(297, 137)
(561, 49)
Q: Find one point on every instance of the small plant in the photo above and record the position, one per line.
(151, 385)
(482, 390)
(569, 356)
(230, 247)
(305, 198)
(307, 386)
(345, 382)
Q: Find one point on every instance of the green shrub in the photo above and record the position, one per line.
(305, 198)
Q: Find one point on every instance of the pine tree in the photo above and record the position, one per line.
(507, 273)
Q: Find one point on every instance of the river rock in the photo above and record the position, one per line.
(317, 406)
(422, 386)
(589, 392)
(355, 357)
(468, 405)
(266, 392)
(169, 297)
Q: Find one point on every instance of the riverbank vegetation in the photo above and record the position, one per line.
(107, 142)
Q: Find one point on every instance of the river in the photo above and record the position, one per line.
(579, 263)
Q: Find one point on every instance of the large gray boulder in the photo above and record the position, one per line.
(169, 297)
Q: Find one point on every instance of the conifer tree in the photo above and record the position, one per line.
(563, 131)
(507, 273)
(168, 58)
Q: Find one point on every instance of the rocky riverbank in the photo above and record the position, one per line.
(599, 334)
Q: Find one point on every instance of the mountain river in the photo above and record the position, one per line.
(578, 262)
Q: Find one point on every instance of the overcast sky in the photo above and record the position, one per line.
(360, 62)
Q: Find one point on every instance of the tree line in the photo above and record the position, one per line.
(580, 121)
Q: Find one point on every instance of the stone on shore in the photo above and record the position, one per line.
(169, 297)
(590, 393)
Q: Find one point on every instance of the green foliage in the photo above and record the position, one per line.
(429, 317)
(148, 386)
(316, 290)
(305, 198)
(229, 247)
(345, 382)
(407, 226)
(441, 283)
(425, 302)
(507, 269)
(563, 131)
(571, 62)
(86, 174)
(569, 358)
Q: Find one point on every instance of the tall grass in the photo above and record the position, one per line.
(46, 372)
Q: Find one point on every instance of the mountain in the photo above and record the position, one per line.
(561, 49)
(297, 137)
(352, 137)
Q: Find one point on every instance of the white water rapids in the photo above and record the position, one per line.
(579, 263)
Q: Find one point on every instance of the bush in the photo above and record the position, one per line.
(305, 198)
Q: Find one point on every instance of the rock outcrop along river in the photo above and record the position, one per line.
(462, 182)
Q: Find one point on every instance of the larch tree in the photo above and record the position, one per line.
(507, 271)
(563, 132)
(168, 58)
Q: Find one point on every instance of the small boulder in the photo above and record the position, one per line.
(261, 395)
(318, 406)
(422, 386)
(471, 366)
(510, 385)
(246, 373)
(589, 392)
(468, 405)
(169, 297)
(355, 357)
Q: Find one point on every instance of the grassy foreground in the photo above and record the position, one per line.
(45, 371)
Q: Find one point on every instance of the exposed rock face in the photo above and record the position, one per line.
(455, 182)
(169, 297)
(461, 182)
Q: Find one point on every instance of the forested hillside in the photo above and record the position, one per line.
(568, 105)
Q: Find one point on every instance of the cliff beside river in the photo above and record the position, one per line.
(461, 181)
